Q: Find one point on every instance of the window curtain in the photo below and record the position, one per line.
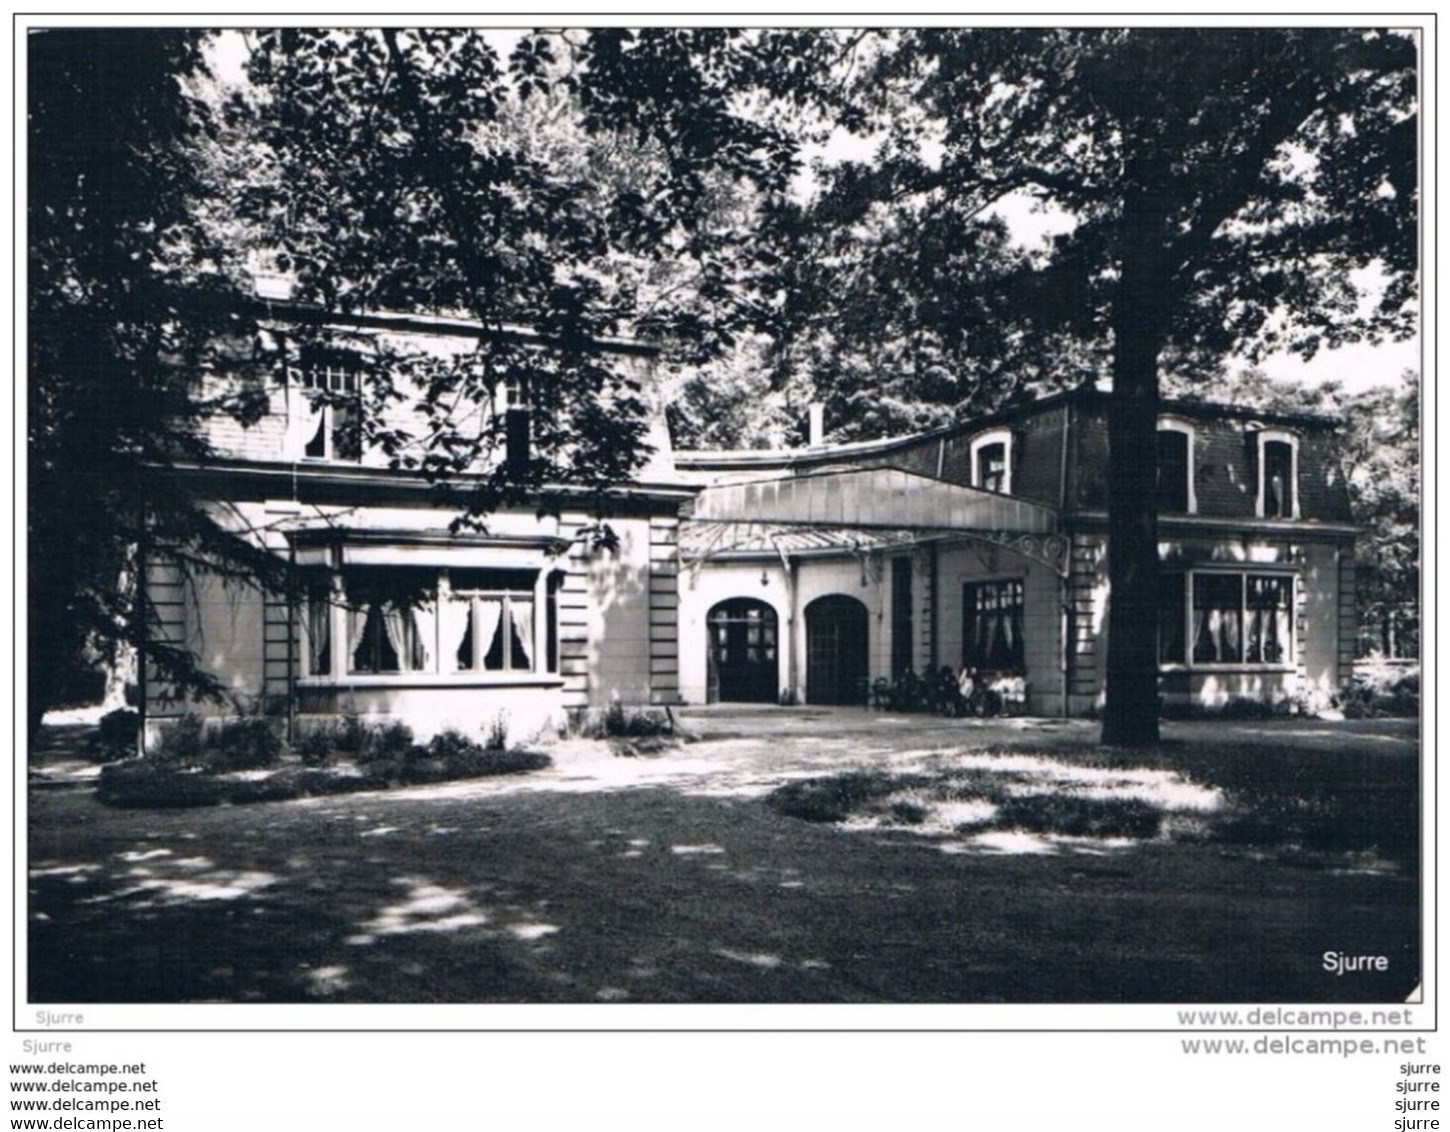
(357, 623)
(522, 614)
(303, 419)
(319, 636)
(396, 618)
(454, 616)
(425, 629)
(1216, 636)
(1269, 602)
(490, 613)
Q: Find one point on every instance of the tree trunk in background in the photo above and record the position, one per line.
(1130, 715)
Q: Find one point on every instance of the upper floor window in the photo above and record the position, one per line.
(512, 404)
(1175, 469)
(1278, 494)
(991, 455)
(324, 408)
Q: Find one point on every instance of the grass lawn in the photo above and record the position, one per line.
(978, 864)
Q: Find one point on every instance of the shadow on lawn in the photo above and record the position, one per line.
(1348, 812)
(150, 924)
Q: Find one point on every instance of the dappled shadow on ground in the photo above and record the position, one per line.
(670, 880)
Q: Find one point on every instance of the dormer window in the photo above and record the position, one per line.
(1175, 469)
(1278, 494)
(991, 456)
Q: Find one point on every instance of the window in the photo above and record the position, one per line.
(317, 622)
(1172, 636)
(991, 456)
(1175, 469)
(513, 404)
(1218, 601)
(330, 407)
(1269, 630)
(1232, 618)
(488, 621)
(992, 626)
(388, 621)
(1278, 475)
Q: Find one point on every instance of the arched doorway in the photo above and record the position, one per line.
(836, 651)
(743, 659)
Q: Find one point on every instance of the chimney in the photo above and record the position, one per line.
(818, 424)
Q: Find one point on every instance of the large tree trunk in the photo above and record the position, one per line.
(1130, 716)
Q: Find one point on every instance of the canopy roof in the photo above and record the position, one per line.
(871, 499)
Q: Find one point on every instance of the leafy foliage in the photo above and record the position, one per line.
(1222, 188)
(586, 186)
(116, 356)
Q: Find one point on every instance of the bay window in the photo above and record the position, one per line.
(431, 622)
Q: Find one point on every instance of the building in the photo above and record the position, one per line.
(810, 576)
(394, 613)
(763, 576)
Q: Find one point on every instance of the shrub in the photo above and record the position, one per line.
(352, 736)
(482, 762)
(391, 741)
(498, 732)
(832, 799)
(247, 744)
(316, 746)
(1382, 691)
(142, 783)
(450, 744)
(633, 723)
(279, 787)
(425, 770)
(1077, 816)
(115, 736)
(182, 742)
(378, 774)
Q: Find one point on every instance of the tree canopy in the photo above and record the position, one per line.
(115, 233)
(1220, 190)
(1226, 186)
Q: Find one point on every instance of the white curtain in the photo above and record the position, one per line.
(302, 420)
(425, 621)
(454, 615)
(319, 635)
(522, 613)
(490, 613)
(395, 623)
(357, 621)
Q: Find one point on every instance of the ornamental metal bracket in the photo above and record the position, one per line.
(1053, 551)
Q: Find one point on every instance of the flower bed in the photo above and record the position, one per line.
(194, 770)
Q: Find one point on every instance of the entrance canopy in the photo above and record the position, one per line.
(862, 511)
(872, 498)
